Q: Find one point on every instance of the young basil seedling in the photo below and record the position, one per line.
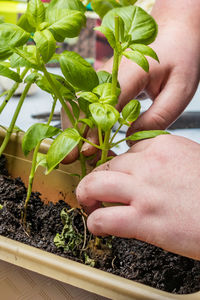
(128, 29)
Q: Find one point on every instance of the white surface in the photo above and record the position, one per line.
(193, 134)
(41, 102)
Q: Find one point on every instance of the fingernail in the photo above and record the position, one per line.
(85, 147)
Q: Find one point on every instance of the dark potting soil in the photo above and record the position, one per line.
(128, 258)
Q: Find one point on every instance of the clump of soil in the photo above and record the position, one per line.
(128, 258)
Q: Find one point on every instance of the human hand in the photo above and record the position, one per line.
(172, 83)
(167, 84)
(90, 133)
(158, 183)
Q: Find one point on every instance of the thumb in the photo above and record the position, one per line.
(132, 79)
(92, 136)
(165, 109)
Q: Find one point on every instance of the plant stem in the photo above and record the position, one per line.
(105, 149)
(100, 136)
(116, 58)
(13, 121)
(85, 233)
(12, 90)
(89, 142)
(115, 70)
(116, 132)
(115, 144)
(4, 93)
(52, 111)
(82, 161)
(33, 167)
(58, 95)
(30, 183)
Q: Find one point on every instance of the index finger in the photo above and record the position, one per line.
(104, 186)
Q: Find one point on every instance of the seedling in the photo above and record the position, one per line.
(128, 29)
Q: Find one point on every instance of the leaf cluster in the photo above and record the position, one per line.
(87, 91)
(69, 239)
(46, 26)
(137, 29)
(128, 29)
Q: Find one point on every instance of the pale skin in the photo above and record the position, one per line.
(172, 83)
(158, 183)
(158, 179)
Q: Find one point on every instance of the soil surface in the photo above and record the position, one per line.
(128, 258)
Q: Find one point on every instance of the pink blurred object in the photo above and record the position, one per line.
(103, 49)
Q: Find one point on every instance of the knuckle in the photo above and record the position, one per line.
(95, 223)
(146, 208)
(159, 120)
(71, 157)
(185, 89)
(158, 157)
(83, 189)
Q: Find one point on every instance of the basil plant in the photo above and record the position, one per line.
(128, 29)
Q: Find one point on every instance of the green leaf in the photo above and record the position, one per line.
(104, 90)
(138, 24)
(43, 84)
(28, 60)
(141, 135)
(69, 239)
(35, 134)
(24, 23)
(64, 83)
(41, 160)
(105, 93)
(43, 26)
(89, 96)
(104, 77)
(6, 64)
(112, 100)
(6, 72)
(121, 29)
(35, 12)
(108, 34)
(28, 57)
(138, 58)
(87, 121)
(59, 81)
(145, 50)
(1, 19)
(65, 23)
(77, 71)
(131, 111)
(11, 36)
(84, 106)
(63, 86)
(45, 43)
(66, 4)
(127, 2)
(17, 129)
(31, 78)
(75, 108)
(102, 7)
(61, 147)
(104, 115)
